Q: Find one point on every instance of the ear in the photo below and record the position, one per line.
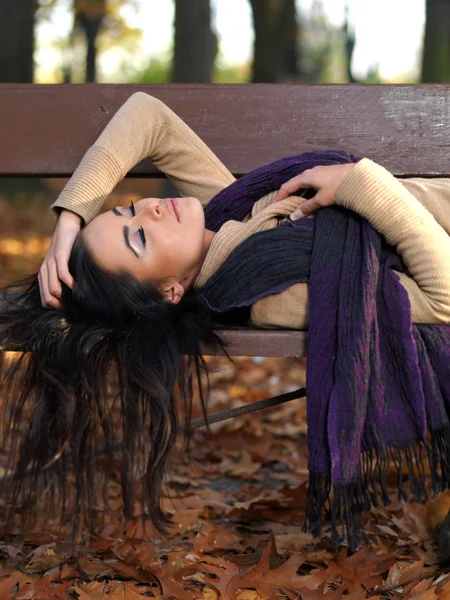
(173, 292)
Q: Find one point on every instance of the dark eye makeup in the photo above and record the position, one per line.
(141, 229)
(142, 236)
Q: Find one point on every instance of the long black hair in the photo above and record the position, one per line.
(116, 347)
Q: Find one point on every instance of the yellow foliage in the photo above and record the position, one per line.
(31, 247)
(94, 10)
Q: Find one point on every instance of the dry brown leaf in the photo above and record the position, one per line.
(413, 589)
(248, 595)
(69, 572)
(92, 568)
(8, 583)
(244, 466)
(46, 561)
(416, 520)
(210, 539)
(271, 573)
(91, 591)
(437, 509)
(319, 594)
(11, 551)
(399, 575)
(121, 590)
(427, 595)
(210, 593)
(294, 541)
(41, 588)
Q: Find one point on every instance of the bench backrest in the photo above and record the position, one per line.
(47, 128)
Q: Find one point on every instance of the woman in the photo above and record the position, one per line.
(131, 276)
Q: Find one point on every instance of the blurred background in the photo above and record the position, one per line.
(219, 41)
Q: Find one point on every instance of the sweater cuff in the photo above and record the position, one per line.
(89, 186)
(375, 194)
(349, 190)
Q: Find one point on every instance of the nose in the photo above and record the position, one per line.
(153, 209)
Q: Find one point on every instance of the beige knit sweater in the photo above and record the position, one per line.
(412, 214)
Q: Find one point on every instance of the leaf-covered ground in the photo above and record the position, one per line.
(237, 508)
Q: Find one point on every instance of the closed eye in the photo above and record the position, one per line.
(126, 230)
(142, 236)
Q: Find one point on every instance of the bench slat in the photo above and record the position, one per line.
(264, 342)
(47, 128)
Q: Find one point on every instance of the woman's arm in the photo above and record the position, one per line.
(371, 191)
(421, 236)
(144, 127)
(434, 194)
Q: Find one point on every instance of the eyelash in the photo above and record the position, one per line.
(140, 230)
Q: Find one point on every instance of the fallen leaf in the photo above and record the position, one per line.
(400, 575)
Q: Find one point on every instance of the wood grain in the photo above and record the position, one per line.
(264, 342)
(406, 128)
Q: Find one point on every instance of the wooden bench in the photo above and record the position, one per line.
(46, 129)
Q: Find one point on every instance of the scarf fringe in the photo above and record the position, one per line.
(345, 505)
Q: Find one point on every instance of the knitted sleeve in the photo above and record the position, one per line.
(144, 127)
(424, 245)
(421, 234)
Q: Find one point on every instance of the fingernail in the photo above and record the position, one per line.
(297, 214)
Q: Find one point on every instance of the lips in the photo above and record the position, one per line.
(171, 208)
(173, 203)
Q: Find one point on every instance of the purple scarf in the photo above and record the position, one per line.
(376, 382)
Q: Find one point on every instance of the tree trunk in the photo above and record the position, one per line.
(17, 40)
(89, 16)
(288, 34)
(275, 47)
(91, 29)
(350, 41)
(195, 43)
(436, 48)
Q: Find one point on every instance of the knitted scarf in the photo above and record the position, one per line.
(378, 386)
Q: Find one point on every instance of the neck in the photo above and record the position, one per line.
(207, 240)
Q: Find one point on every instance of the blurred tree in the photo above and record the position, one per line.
(349, 45)
(89, 16)
(195, 50)
(17, 40)
(195, 46)
(275, 47)
(322, 47)
(436, 47)
(98, 25)
(348, 31)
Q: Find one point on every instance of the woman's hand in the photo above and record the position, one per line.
(55, 267)
(324, 179)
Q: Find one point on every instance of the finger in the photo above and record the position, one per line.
(43, 287)
(54, 285)
(306, 209)
(290, 187)
(52, 303)
(63, 272)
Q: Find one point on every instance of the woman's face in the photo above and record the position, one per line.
(163, 240)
